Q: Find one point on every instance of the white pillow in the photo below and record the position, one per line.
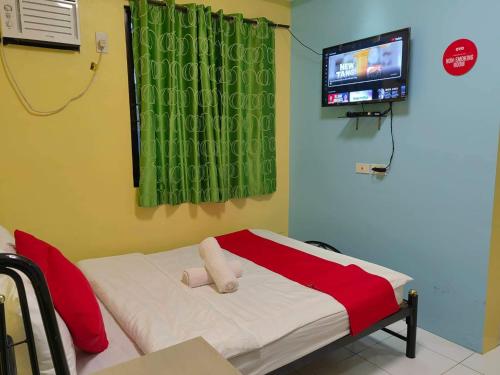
(6, 241)
(15, 328)
(6, 246)
(15, 325)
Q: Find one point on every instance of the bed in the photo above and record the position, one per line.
(267, 324)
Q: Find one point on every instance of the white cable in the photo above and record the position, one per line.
(24, 100)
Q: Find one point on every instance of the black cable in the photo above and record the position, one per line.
(392, 139)
(388, 166)
(304, 45)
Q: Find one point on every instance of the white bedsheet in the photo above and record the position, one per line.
(156, 310)
(146, 297)
(121, 348)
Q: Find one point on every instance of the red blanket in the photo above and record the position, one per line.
(367, 298)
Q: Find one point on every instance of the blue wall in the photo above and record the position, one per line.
(431, 217)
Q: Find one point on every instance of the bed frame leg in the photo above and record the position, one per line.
(411, 323)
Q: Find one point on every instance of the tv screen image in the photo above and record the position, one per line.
(368, 70)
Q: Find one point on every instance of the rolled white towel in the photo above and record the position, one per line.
(198, 276)
(217, 266)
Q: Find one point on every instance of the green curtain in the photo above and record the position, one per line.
(206, 94)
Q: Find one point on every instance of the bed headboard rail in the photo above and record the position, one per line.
(13, 265)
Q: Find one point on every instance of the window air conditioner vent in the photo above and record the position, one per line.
(45, 23)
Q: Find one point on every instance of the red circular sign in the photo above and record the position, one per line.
(460, 57)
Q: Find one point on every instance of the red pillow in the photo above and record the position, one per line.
(71, 292)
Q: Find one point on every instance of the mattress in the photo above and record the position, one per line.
(252, 311)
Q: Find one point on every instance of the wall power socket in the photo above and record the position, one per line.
(101, 42)
(366, 168)
(363, 168)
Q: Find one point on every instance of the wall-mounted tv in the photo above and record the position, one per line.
(371, 70)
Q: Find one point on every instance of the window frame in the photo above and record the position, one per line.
(134, 105)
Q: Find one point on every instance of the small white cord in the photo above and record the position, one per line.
(24, 100)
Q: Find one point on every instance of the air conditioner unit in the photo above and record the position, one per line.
(44, 23)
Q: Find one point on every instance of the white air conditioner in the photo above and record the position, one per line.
(52, 23)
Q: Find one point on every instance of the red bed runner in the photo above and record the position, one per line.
(367, 298)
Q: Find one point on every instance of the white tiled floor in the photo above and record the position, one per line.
(383, 354)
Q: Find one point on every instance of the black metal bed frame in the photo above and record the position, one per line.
(12, 265)
(408, 310)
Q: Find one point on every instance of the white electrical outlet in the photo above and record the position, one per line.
(366, 168)
(363, 168)
(101, 42)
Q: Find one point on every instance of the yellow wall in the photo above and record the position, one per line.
(492, 319)
(68, 178)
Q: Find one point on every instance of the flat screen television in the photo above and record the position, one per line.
(371, 70)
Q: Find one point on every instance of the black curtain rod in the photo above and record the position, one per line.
(246, 20)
